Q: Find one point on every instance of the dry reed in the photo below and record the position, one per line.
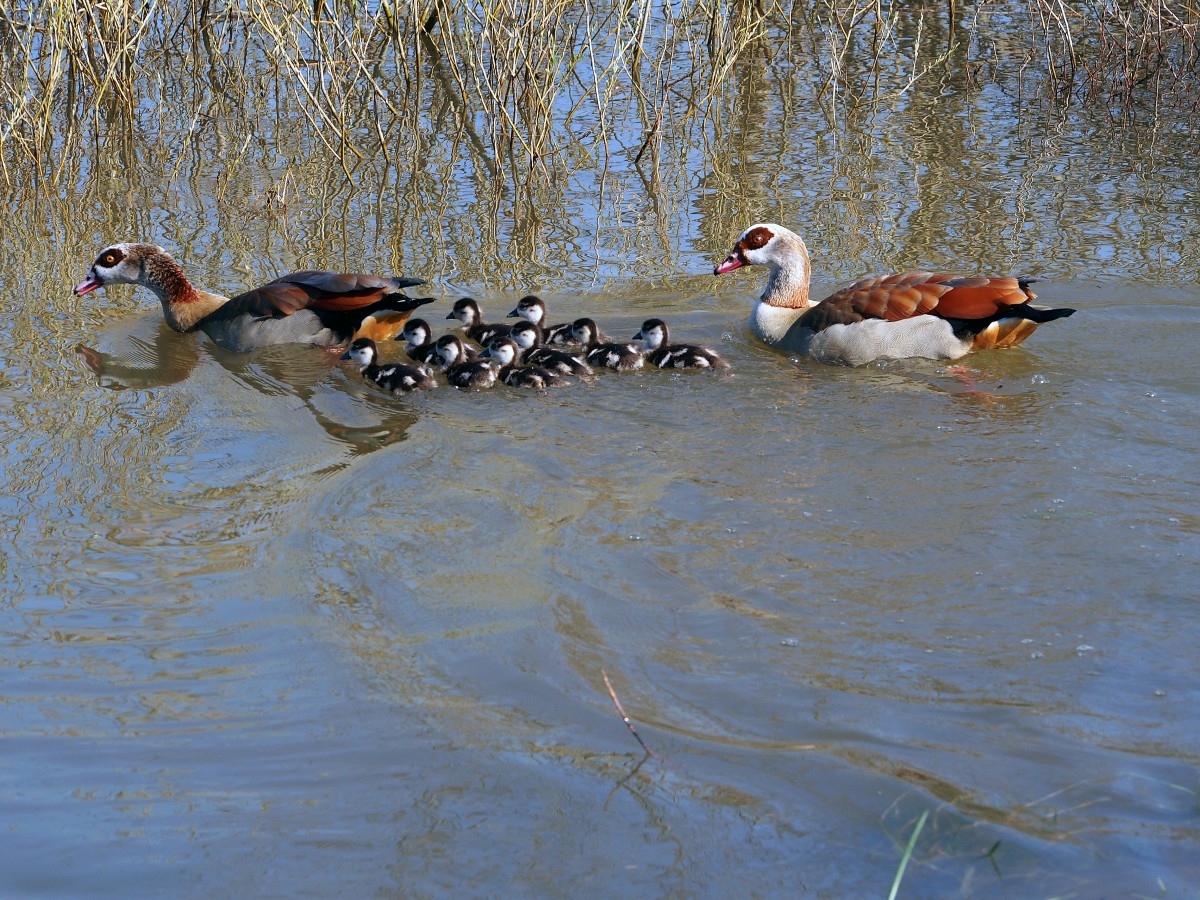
(524, 86)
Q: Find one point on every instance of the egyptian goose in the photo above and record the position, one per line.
(451, 347)
(657, 346)
(463, 371)
(533, 309)
(528, 338)
(506, 354)
(890, 316)
(420, 340)
(622, 357)
(398, 378)
(323, 308)
(467, 311)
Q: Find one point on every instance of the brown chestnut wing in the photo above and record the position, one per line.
(833, 310)
(907, 294)
(325, 291)
(981, 297)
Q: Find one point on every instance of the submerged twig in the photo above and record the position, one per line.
(624, 782)
(624, 716)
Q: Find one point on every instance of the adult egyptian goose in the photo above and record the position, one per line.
(884, 317)
(327, 309)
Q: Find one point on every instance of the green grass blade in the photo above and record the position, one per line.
(908, 851)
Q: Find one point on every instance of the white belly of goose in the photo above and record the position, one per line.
(861, 342)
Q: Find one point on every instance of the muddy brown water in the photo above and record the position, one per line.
(268, 631)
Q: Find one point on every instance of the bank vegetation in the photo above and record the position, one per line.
(523, 85)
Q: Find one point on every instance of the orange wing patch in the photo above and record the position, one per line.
(339, 291)
(383, 325)
(1003, 334)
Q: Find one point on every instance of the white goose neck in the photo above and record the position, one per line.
(787, 285)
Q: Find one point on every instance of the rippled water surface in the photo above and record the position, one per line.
(267, 630)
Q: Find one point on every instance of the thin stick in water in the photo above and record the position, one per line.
(625, 718)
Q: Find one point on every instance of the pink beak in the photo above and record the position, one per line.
(731, 263)
(88, 285)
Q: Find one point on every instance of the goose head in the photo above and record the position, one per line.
(782, 252)
(123, 264)
(584, 331)
(525, 334)
(502, 350)
(653, 335)
(417, 332)
(765, 244)
(450, 349)
(363, 351)
(466, 311)
(530, 308)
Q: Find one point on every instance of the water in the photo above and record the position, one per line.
(268, 631)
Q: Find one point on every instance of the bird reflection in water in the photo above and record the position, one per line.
(164, 358)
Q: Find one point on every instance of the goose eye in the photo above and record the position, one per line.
(108, 259)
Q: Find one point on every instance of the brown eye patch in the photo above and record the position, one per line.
(110, 258)
(756, 238)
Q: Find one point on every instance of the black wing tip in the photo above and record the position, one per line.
(404, 304)
(1049, 315)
